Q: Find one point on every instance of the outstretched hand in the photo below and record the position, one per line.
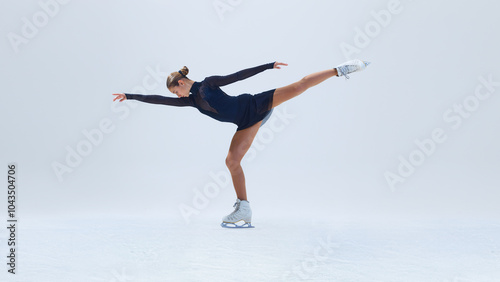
(277, 65)
(120, 96)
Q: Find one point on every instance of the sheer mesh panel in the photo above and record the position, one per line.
(210, 100)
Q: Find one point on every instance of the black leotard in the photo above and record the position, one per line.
(243, 110)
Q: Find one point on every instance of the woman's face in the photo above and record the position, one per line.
(182, 90)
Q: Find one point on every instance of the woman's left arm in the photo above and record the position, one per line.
(218, 80)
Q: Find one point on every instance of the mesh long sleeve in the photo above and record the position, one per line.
(157, 99)
(218, 80)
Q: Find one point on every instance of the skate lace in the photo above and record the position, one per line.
(231, 215)
(344, 70)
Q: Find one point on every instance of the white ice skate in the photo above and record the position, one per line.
(242, 212)
(350, 67)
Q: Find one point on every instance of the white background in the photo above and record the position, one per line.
(327, 163)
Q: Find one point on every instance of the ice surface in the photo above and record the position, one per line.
(323, 155)
(299, 250)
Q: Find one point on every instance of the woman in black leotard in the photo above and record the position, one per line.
(247, 111)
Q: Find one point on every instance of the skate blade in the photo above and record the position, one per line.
(234, 225)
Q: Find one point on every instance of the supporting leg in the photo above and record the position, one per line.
(241, 142)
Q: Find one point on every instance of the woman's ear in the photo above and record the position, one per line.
(181, 82)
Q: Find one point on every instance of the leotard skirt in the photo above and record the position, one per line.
(254, 108)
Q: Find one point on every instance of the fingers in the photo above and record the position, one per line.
(122, 97)
(277, 65)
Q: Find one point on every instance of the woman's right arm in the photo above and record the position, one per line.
(155, 99)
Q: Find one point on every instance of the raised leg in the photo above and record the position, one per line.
(293, 90)
(241, 142)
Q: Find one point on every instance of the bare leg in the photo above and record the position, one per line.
(293, 90)
(241, 142)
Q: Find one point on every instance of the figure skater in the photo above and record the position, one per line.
(247, 111)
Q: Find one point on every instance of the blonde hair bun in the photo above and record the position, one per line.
(184, 71)
(173, 78)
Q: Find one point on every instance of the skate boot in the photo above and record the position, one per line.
(242, 212)
(350, 67)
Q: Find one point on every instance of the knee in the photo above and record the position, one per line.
(232, 163)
